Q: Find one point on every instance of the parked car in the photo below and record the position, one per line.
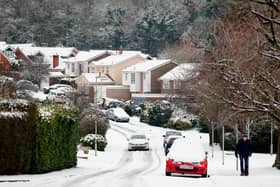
(169, 142)
(67, 87)
(169, 133)
(186, 157)
(117, 114)
(138, 142)
(57, 96)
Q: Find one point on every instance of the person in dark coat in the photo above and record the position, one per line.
(244, 151)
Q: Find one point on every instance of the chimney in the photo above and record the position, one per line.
(55, 61)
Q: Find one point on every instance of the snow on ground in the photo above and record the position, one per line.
(118, 167)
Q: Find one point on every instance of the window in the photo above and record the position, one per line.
(144, 76)
(73, 68)
(166, 84)
(126, 76)
(133, 78)
(68, 66)
(177, 84)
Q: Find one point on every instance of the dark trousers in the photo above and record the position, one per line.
(244, 164)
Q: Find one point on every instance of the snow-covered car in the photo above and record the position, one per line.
(57, 96)
(67, 87)
(169, 142)
(169, 133)
(186, 157)
(117, 114)
(138, 142)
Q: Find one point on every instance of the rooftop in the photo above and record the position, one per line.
(147, 65)
(181, 72)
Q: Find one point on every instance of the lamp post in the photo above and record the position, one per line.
(95, 140)
(271, 138)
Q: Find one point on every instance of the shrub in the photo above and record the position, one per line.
(157, 114)
(17, 134)
(89, 140)
(56, 136)
(89, 117)
(178, 124)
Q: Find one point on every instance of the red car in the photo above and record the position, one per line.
(186, 158)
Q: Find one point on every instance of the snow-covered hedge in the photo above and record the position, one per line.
(157, 113)
(17, 135)
(89, 140)
(56, 137)
(35, 141)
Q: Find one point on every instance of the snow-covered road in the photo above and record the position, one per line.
(117, 167)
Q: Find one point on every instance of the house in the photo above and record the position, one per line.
(97, 82)
(5, 64)
(143, 77)
(175, 81)
(116, 62)
(8, 55)
(79, 64)
(53, 56)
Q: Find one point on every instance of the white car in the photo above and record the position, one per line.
(138, 142)
(117, 114)
(57, 96)
(57, 86)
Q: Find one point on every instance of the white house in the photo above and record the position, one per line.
(80, 63)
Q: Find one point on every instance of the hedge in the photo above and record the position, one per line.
(17, 133)
(33, 143)
(55, 143)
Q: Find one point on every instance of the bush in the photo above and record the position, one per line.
(132, 109)
(89, 117)
(157, 114)
(55, 143)
(17, 134)
(178, 124)
(89, 141)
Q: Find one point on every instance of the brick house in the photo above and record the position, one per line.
(5, 64)
(143, 77)
(175, 81)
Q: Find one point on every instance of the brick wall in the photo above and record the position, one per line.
(155, 74)
(120, 93)
(4, 63)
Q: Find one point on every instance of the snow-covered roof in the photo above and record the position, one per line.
(49, 51)
(115, 52)
(94, 78)
(83, 56)
(56, 74)
(147, 65)
(4, 45)
(115, 59)
(181, 72)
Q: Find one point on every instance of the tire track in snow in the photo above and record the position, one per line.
(125, 159)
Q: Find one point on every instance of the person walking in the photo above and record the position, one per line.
(244, 151)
